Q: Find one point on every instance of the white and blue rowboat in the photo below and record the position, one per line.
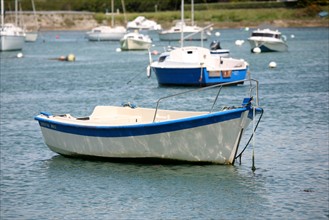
(130, 132)
(267, 41)
(197, 66)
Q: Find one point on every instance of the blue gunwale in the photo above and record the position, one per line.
(142, 129)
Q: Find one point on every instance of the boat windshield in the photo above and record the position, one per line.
(265, 35)
(162, 58)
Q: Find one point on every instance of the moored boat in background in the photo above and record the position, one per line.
(106, 33)
(267, 41)
(197, 66)
(141, 23)
(135, 41)
(12, 37)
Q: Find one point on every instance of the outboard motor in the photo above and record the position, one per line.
(215, 45)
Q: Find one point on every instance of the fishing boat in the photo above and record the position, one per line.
(12, 37)
(197, 66)
(130, 132)
(135, 41)
(266, 40)
(141, 23)
(107, 33)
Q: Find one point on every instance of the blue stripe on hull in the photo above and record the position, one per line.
(194, 76)
(142, 129)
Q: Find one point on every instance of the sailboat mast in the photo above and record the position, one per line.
(2, 13)
(16, 13)
(34, 14)
(192, 12)
(124, 10)
(182, 24)
(112, 12)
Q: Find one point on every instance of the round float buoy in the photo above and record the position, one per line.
(217, 34)
(118, 50)
(256, 50)
(148, 71)
(246, 29)
(70, 57)
(19, 55)
(292, 36)
(155, 52)
(239, 42)
(272, 64)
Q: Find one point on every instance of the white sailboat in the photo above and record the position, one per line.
(12, 37)
(174, 33)
(106, 33)
(32, 35)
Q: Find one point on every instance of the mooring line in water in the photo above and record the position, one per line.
(255, 128)
(253, 168)
(133, 77)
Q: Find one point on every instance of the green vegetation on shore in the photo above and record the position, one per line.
(226, 17)
(231, 14)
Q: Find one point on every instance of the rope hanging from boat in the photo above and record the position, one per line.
(255, 128)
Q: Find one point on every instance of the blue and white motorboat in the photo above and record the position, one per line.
(197, 66)
(266, 40)
(133, 133)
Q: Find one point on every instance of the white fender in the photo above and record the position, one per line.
(148, 71)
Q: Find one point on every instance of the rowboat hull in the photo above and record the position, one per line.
(212, 138)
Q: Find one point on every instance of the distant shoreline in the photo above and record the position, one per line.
(83, 21)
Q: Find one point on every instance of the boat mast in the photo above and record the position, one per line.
(35, 14)
(112, 8)
(192, 12)
(182, 24)
(2, 13)
(124, 10)
(16, 13)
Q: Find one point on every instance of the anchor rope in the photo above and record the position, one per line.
(260, 117)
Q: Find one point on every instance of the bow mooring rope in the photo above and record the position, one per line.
(252, 135)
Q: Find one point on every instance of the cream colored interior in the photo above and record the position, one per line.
(111, 115)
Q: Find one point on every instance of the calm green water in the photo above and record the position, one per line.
(291, 151)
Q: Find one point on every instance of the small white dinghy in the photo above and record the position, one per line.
(130, 132)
